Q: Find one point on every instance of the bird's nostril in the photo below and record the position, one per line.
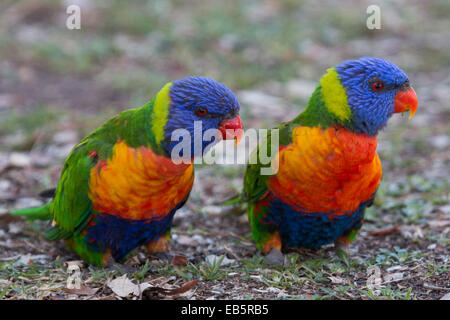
(405, 86)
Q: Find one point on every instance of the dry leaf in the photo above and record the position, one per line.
(187, 241)
(78, 263)
(336, 280)
(123, 287)
(29, 258)
(173, 292)
(392, 277)
(213, 259)
(82, 291)
(384, 232)
(179, 260)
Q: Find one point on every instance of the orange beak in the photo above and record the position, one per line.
(232, 129)
(406, 100)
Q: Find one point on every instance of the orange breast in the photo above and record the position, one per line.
(331, 170)
(139, 184)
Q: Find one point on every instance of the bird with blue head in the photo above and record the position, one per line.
(218, 109)
(327, 168)
(119, 188)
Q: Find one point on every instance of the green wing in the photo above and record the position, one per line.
(254, 182)
(72, 207)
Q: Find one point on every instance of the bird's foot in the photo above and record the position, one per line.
(115, 266)
(164, 257)
(160, 245)
(342, 244)
(275, 257)
(272, 250)
(274, 242)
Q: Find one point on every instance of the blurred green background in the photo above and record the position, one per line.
(271, 53)
(57, 85)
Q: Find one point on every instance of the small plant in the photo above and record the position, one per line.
(398, 256)
(141, 273)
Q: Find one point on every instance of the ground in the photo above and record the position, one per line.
(56, 85)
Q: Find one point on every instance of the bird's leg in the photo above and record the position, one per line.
(108, 259)
(272, 250)
(159, 245)
(273, 242)
(343, 243)
(267, 238)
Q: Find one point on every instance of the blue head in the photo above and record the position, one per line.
(198, 104)
(366, 93)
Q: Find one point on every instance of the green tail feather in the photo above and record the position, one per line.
(237, 205)
(37, 213)
(235, 200)
(56, 234)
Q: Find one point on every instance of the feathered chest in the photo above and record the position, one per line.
(139, 184)
(327, 170)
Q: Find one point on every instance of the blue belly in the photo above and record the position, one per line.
(122, 236)
(311, 230)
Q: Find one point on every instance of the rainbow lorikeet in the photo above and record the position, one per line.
(326, 171)
(119, 188)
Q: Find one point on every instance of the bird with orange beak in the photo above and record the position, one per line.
(326, 171)
(120, 186)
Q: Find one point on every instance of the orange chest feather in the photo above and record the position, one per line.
(327, 170)
(139, 184)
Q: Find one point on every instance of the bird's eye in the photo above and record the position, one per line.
(201, 111)
(377, 86)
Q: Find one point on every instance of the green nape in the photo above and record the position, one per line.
(160, 113)
(328, 105)
(138, 127)
(132, 126)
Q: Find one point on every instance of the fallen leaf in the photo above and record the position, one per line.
(393, 277)
(82, 291)
(179, 260)
(27, 259)
(123, 287)
(78, 263)
(187, 241)
(336, 280)
(213, 259)
(384, 232)
(396, 268)
(173, 292)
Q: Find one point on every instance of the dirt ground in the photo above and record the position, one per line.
(56, 86)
